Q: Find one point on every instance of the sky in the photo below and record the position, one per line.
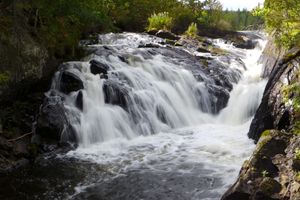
(240, 4)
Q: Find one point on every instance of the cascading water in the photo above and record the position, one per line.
(156, 120)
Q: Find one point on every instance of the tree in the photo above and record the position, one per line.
(282, 18)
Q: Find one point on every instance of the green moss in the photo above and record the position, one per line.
(263, 141)
(297, 178)
(266, 133)
(297, 153)
(291, 97)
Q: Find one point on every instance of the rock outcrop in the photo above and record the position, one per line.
(273, 113)
(272, 172)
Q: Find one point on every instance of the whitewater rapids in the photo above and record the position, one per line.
(193, 155)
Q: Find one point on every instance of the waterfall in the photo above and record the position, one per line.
(247, 94)
(146, 90)
(156, 114)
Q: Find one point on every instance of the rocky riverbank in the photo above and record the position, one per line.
(273, 170)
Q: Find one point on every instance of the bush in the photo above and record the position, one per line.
(192, 30)
(160, 21)
(224, 25)
(183, 17)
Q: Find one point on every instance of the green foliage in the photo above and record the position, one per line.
(265, 173)
(192, 30)
(293, 89)
(242, 20)
(182, 18)
(283, 19)
(160, 21)
(297, 153)
(211, 13)
(291, 97)
(55, 27)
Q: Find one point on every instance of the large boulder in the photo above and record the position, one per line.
(70, 82)
(167, 35)
(98, 67)
(258, 176)
(245, 44)
(270, 56)
(272, 171)
(220, 98)
(243, 40)
(116, 93)
(52, 121)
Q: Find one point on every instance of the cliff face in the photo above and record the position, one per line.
(270, 56)
(273, 170)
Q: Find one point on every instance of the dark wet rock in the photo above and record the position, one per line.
(270, 56)
(123, 59)
(70, 82)
(245, 44)
(243, 40)
(167, 35)
(269, 186)
(296, 164)
(98, 68)
(236, 195)
(257, 176)
(21, 149)
(284, 121)
(116, 93)
(203, 50)
(52, 122)
(272, 112)
(149, 45)
(13, 154)
(152, 32)
(79, 100)
(220, 98)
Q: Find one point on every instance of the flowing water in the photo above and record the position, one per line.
(163, 140)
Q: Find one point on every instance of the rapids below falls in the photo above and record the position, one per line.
(166, 123)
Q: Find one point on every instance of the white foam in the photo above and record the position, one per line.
(219, 143)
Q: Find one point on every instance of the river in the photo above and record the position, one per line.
(163, 139)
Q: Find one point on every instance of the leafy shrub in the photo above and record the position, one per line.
(192, 30)
(224, 25)
(183, 17)
(160, 21)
